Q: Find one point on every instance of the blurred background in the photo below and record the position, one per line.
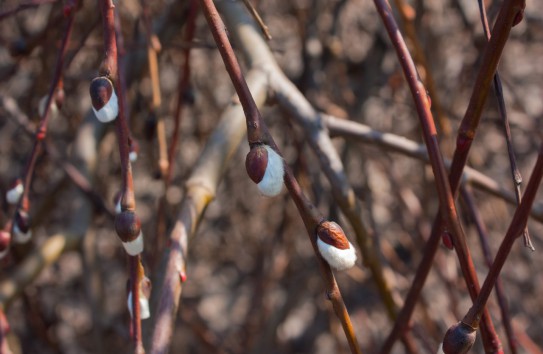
(253, 284)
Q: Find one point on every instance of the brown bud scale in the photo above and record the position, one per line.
(256, 163)
(459, 339)
(331, 233)
(127, 225)
(101, 90)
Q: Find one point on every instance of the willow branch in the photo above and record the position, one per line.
(257, 133)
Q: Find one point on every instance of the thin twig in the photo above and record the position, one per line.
(498, 91)
(41, 131)
(256, 51)
(153, 48)
(469, 200)
(399, 144)
(516, 227)
(23, 6)
(257, 133)
(252, 10)
(445, 190)
(109, 68)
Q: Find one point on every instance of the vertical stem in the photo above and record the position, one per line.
(109, 68)
(516, 227)
(467, 196)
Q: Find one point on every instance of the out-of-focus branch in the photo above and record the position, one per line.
(395, 143)
(84, 158)
(200, 189)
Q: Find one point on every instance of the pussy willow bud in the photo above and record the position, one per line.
(21, 227)
(459, 339)
(13, 195)
(5, 240)
(128, 228)
(104, 99)
(144, 295)
(265, 167)
(334, 246)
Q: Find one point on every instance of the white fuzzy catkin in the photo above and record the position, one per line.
(133, 156)
(14, 194)
(19, 236)
(337, 258)
(145, 311)
(135, 247)
(440, 349)
(272, 182)
(110, 110)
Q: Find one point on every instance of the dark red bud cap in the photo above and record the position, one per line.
(459, 339)
(127, 225)
(256, 163)
(331, 233)
(5, 239)
(101, 90)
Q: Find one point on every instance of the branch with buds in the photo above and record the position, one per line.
(265, 168)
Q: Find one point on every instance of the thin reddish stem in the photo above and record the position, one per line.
(445, 193)
(516, 227)
(41, 132)
(257, 132)
(109, 68)
(469, 200)
(184, 80)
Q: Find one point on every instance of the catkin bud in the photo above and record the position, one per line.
(144, 295)
(128, 227)
(21, 227)
(265, 167)
(459, 339)
(104, 99)
(13, 195)
(334, 246)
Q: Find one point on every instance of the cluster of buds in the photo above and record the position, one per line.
(144, 295)
(104, 100)
(334, 246)
(265, 167)
(128, 228)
